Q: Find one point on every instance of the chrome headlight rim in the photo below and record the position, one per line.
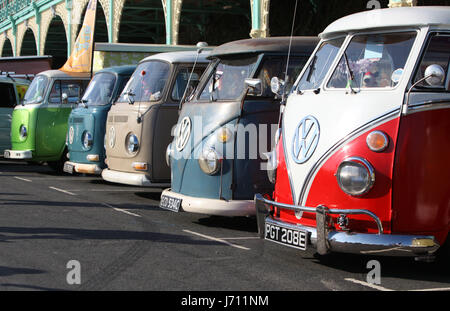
(132, 143)
(169, 151)
(23, 132)
(87, 140)
(361, 163)
(210, 156)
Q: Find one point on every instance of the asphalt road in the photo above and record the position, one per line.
(63, 232)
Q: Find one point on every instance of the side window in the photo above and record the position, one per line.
(7, 95)
(55, 93)
(437, 53)
(182, 79)
(72, 89)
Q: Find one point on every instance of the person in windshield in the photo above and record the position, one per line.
(379, 74)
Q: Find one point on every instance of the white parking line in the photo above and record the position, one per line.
(374, 286)
(122, 210)
(381, 288)
(63, 191)
(217, 240)
(23, 179)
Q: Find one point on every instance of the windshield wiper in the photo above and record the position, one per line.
(350, 74)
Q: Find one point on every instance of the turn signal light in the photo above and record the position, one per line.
(377, 141)
(93, 157)
(140, 166)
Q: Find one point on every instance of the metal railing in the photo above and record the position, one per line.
(11, 7)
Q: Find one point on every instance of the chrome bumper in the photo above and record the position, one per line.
(326, 240)
(18, 154)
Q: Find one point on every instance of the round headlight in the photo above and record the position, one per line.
(168, 154)
(209, 161)
(355, 176)
(88, 140)
(132, 143)
(23, 131)
(272, 166)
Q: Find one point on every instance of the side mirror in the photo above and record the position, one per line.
(277, 86)
(254, 86)
(435, 75)
(64, 98)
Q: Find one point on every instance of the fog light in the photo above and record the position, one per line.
(140, 166)
(355, 176)
(377, 141)
(93, 157)
(209, 161)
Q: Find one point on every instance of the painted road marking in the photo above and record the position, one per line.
(62, 190)
(381, 288)
(217, 240)
(23, 179)
(122, 210)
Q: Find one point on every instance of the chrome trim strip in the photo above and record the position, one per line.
(315, 168)
(428, 105)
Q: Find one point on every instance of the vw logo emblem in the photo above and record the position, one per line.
(305, 140)
(182, 133)
(71, 134)
(112, 136)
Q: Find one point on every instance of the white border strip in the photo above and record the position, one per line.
(217, 240)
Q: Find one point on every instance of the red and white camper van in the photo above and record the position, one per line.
(362, 159)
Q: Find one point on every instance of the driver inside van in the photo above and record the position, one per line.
(378, 74)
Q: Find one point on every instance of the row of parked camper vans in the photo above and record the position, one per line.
(340, 143)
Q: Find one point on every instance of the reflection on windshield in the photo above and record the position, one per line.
(227, 80)
(147, 82)
(320, 63)
(99, 90)
(371, 60)
(35, 92)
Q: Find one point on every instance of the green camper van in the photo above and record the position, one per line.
(39, 123)
(12, 91)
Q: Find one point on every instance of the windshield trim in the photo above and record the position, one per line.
(116, 80)
(212, 69)
(347, 42)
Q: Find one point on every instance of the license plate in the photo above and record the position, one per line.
(286, 236)
(68, 168)
(169, 203)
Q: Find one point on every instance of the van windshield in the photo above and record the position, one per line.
(319, 65)
(35, 92)
(99, 90)
(147, 82)
(373, 61)
(227, 80)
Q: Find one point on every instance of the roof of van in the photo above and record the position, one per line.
(55, 73)
(121, 70)
(302, 45)
(179, 57)
(418, 16)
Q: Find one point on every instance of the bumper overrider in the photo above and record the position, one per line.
(326, 240)
(18, 154)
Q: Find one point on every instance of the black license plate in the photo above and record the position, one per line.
(68, 168)
(286, 236)
(169, 203)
